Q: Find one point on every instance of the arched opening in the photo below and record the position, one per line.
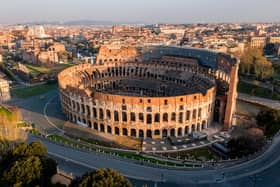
(204, 125)
(141, 134)
(149, 134)
(173, 116)
(95, 126)
(157, 117)
(194, 114)
(157, 132)
(187, 130)
(116, 116)
(94, 113)
(108, 114)
(89, 124)
(141, 117)
(198, 127)
(164, 133)
(165, 117)
(132, 116)
(101, 115)
(193, 127)
(117, 131)
(149, 118)
(133, 132)
(124, 117)
(109, 129)
(124, 132)
(179, 132)
(102, 128)
(172, 132)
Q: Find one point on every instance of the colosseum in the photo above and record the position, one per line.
(151, 91)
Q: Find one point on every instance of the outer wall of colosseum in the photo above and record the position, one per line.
(88, 93)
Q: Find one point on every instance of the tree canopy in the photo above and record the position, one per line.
(269, 120)
(101, 178)
(253, 62)
(27, 165)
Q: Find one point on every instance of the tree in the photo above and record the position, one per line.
(101, 178)
(269, 120)
(253, 62)
(25, 172)
(27, 165)
(245, 145)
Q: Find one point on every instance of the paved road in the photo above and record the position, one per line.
(260, 101)
(34, 111)
(232, 175)
(79, 161)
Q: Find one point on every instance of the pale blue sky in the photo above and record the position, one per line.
(147, 11)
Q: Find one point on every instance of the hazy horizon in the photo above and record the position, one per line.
(144, 11)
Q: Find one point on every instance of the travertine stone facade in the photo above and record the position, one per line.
(149, 95)
(4, 91)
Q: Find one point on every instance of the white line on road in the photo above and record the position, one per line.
(46, 116)
(95, 168)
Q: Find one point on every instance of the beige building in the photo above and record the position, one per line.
(274, 39)
(257, 42)
(4, 91)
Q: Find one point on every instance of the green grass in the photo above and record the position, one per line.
(119, 153)
(5, 111)
(40, 69)
(204, 153)
(257, 91)
(33, 91)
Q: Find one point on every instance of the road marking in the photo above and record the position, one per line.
(46, 116)
(95, 168)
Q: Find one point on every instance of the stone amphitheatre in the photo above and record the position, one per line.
(151, 91)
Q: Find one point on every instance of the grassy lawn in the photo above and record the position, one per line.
(32, 91)
(5, 111)
(204, 153)
(118, 153)
(256, 91)
(39, 69)
(36, 70)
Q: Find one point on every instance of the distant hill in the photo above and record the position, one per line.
(81, 22)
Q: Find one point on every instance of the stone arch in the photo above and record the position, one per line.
(102, 127)
(165, 117)
(198, 127)
(133, 132)
(95, 126)
(141, 133)
(108, 114)
(157, 132)
(157, 118)
(193, 127)
(172, 132)
(116, 116)
(124, 132)
(149, 134)
(101, 114)
(164, 133)
(179, 133)
(187, 130)
(117, 131)
(109, 129)
(204, 125)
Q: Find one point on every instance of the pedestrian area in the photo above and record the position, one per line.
(173, 144)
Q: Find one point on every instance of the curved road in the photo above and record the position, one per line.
(132, 170)
(78, 161)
